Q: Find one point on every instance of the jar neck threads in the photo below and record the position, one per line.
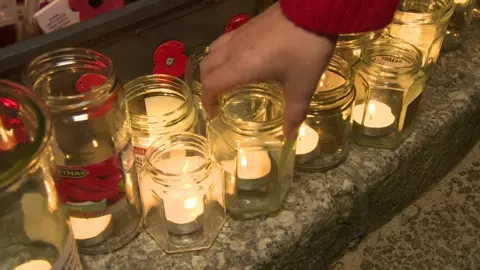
(356, 40)
(176, 108)
(55, 77)
(179, 159)
(253, 109)
(423, 12)
(335, 85)
(391, 57)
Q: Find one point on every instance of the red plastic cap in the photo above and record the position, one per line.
(169, 58)
(236, 22)
(89, 80)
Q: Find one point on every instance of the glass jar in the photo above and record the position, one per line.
(34, 228)
(192, 76)
(158, 105)
(324, 137)
(93, 146)
(249, 144)
(458, 24)
(423, 24)
(350, 46)
(389, 81)
(185, 190)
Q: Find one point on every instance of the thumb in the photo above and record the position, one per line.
(297, 103)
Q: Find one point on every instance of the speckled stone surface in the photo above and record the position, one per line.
(325, 213)
(441, 230)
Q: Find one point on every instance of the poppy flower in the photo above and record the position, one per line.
(169, 58)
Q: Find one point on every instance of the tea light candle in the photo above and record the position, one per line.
(34, 265)
(90, 228)
(307, 140)
(253, 169)
(184, 206)
(379, 118)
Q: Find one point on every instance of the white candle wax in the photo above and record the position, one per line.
(378, 118)
(162, 104)
(34, 265)
(185, 204)
(88, 228)
(253, 167)
(307, 140)
(251, 164)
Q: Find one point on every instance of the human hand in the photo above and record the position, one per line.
(267, 48)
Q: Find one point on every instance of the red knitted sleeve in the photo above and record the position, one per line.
(332, 17)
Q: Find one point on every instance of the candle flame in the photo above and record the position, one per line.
(322, 80)
(190, 203)
(185, 167)
(243, 161)
(371, 108)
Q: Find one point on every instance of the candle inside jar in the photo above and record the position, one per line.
(307, 140)
(34, 265)
(184, 205)
(253, 169)
(89, 228)
(379, 118)
(162, 105)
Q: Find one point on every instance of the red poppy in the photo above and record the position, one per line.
(169, 58)
(236, 22)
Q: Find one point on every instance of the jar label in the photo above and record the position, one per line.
(69, 259)
(390, 61)
(8, 12)
(89, 190)
(56, 15)
(139, 157)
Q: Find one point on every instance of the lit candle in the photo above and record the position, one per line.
(253, 169)
(307, 140)
(379, 118)
(185, 205)
(91, 228)
(34, 265)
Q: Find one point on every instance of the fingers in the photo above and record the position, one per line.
(222, 40)
(297, 102)
(224, 78)
(216, 55)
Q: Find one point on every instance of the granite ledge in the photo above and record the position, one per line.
(326, 213)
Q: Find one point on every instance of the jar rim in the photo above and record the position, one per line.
(42, 137)
(39, 68)
(329, 98)
(359, 39)
(440, 15)
(180, 141)
(269, 91)
(158, 82)
(412, 56)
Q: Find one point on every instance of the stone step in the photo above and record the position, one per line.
(325, 213)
